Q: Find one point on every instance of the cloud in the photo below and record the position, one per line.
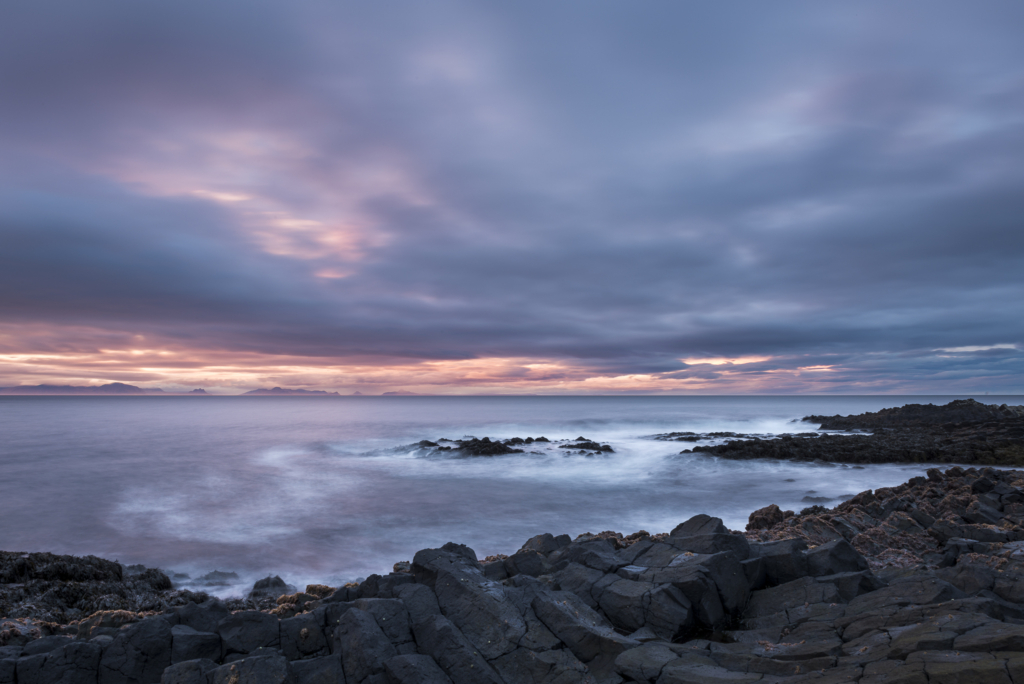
(471, 195)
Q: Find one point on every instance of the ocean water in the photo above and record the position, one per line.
(329, 490)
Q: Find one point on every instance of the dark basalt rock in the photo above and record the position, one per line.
(485, 447)
(963, 431)
(959, 411)
(587, 445)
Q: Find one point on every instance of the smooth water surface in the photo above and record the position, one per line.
(331, 489)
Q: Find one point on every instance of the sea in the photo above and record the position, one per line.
(221, 491)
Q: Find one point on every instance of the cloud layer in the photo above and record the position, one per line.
(457, 197)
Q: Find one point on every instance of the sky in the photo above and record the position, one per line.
(454, 197)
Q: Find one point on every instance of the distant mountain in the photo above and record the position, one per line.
(400, 393)
(112, 388)
(199, 390)
(357, 394)
(282, 392)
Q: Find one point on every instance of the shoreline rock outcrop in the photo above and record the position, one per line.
(923, 582)
(963, 431)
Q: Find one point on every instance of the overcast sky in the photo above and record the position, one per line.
(599, 196)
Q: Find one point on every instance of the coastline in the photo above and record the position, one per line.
(939, 589)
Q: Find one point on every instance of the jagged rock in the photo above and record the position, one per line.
(476, 605)
(833, 558)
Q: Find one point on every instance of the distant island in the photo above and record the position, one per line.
(400, 393)
(281, 391)
(113, 388)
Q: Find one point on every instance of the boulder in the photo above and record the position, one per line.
(140, 653)
(442, 640)
(188, 672)
(203, 617)
(271, 587)
(584, 632)
(699, 524)
(303, 637)
(362, 644)
(784, 560)
(75, 663)
(189, 644)
(644, 664)
(245, 631)
(766, 517)
(264, 669)
(833, 558)
(474, 604)
(392, 617)
(546, 543)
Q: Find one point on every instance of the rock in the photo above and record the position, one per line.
(527, 562)
(204, 617)
(644, 664)
(419, 601)
(766, 517)
(303, 636)
(323, 670)
(474, 604)
(713, 543)
(189, 644)
(783, 560)
(584, 632)
(460, 660)
(75, 663)
(140, 653)
(545, 667)
(268, 669)
(392, 617)
(245, 631)
(188, 672)
(699, 524)
(991, 637)
(598, 554)
(45, 644)
(271, 587)
(362, 644)
(415, 669)
(833, 558)
(546, 543)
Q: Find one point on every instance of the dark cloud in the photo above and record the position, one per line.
(823, 184)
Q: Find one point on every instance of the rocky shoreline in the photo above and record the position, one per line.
(914, 584)
(923, 582)
(963, 431)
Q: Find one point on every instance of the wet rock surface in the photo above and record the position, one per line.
(963, 431)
